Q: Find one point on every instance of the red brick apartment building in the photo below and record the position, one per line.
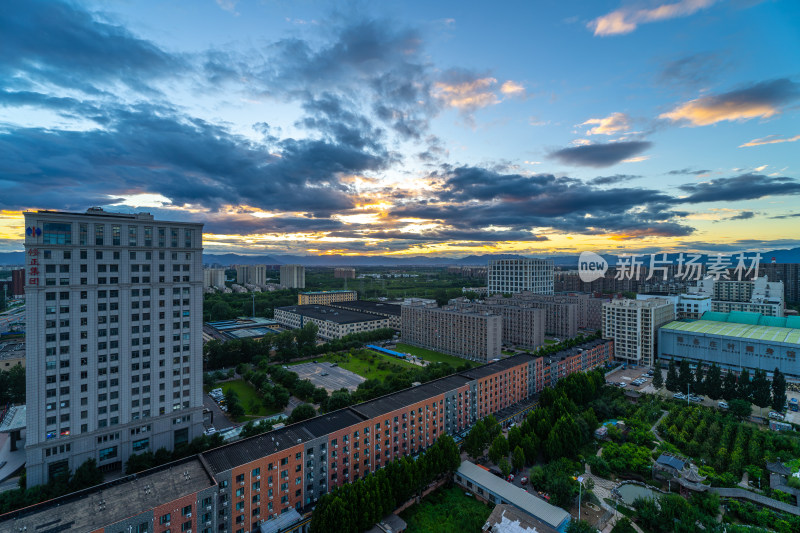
(281, 474)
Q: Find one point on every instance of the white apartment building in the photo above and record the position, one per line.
(753, 296)
(633, 325)
(517, 275)
(691, 306)
(114, 338)
(251, 275)
(213, 277)
(293, 276)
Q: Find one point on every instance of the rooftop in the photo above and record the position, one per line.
(509, 519)
(310, 293)
(671, 460)
(12, 350)
(244, 451)
(575, 350)
(744, 317)
(331, 314)
(521, 499)
(406, 397)
(93, 508)
(742, 331)
(369, 306)
(498, 366)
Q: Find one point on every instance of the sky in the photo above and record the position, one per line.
(410, 128)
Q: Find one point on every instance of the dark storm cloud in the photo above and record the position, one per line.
(793, 215)
(744, 215)
(743, 187)
(478, 198)
(687, 172)
(600, 155)
(329, 115)
(190, 161)
(612, 180)
(58, 43)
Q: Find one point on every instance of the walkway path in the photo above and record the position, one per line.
(757, 498)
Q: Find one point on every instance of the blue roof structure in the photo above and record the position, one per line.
(388, 352)
(671, 461)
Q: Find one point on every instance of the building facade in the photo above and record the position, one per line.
(18, 282)
(325, 297)
(734, 346)
(251, 275)
(752, 296)
(390, 311)
(472, 335)
(332, 323)
(344, 273)
(788, 274)
(522, 326)
(560, 317)
(633, 326)
(274, 477)
(213, 278)
(114, 338)
(687, 306)
(293, 276)
(517, 275)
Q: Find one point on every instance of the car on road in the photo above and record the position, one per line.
(722, 405)
(679, 396)
(775, 415)
(523, 480)
(510, 478)
(323, 374)
(210, 431)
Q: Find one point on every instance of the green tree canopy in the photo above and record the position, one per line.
(778, 390)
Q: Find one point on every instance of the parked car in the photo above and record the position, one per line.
(523, 480)
(323, 374)
(510, 478)
(775, 415)
(679, 396)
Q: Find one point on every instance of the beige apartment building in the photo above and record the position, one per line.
(251, 275)
(213, 277)
(325, 297)
(560, 318)
(633, 325)
(522, 326)
(476, 336)
(293, 276)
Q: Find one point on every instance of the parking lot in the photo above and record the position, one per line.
(629, 375)
(336, 377)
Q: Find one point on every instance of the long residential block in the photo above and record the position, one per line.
(473, 335)
(274, 478)
(332, 323)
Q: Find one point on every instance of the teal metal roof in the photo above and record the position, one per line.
(753, 319)
(743, 331)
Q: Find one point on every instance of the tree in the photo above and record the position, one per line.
(729, 389)
(475, 442)
(86, 475)
(285, 347)
(740, 408)
(744, 389)
(778, 390)
(685, 376)
(339, 399)
(306, 338)
(498, 449)
(760, 389)
(302, 412)
(699, 386)
(580, 526)
(518, 458)
(714, 382)
(505, 468)
(623, 525)
(672, 377)
(658, 377)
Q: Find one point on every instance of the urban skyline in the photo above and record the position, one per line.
(409, 129)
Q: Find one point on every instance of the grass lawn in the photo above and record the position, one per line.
(550, 341)
(248, 398)
(430, 355)
(447, 510)
(366, 363)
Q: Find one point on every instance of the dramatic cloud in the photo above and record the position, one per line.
(625, 20)
(460, 89)
(744, 187)
(54, 43)
(610, 125)
(687, 172)
(762, 100)
(770, 139)
(600, 155)
(744, 215)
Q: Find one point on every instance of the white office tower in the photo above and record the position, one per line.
(114, 338)
(293, 276)
(517, 275)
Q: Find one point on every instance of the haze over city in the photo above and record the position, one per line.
(405, 128)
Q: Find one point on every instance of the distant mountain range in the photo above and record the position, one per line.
(781, 256)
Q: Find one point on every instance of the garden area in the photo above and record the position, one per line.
(248, 398)
(432, 356)
(447, 510)
(366, 363)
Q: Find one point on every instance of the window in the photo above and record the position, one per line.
(131, 235)
(108, 453)
(164, 518)
(187, 510)
(98, 238)
(84, 232)
(57, 233)
(115, 235)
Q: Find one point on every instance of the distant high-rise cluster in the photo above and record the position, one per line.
(251, 275)
(213, 278)
(293, 276)
(344, 273)
(114, 345)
